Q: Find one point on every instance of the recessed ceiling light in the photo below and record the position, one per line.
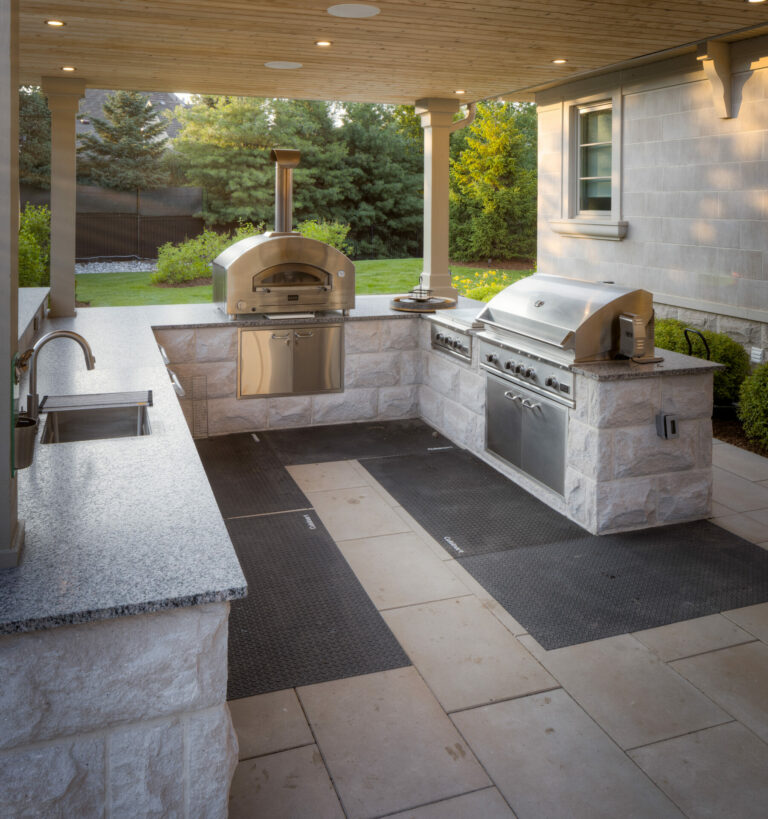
(282, 64)
(357, 10)
(55, 23)
(460, 91)
(67, 68)
(559, 61)
(323, 43)
(755, 1)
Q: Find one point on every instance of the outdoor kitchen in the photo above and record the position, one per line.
(309, 520)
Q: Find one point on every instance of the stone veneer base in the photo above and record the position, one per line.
(619, 475)
(120, 717)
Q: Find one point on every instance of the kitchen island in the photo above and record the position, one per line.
(115, 624)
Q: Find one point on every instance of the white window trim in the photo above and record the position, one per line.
(586, 224)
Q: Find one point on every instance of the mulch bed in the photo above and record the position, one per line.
(732, 433)
(192, 283)
(498, 264)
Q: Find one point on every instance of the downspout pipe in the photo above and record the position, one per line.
(468, 118)
(285, 159)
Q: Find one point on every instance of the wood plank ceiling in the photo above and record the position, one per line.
(412, 49)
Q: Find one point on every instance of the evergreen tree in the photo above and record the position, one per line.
(34, 138)
(493, 185)
(384, 203)
(223, 147)
(126, 150)
(322, 178)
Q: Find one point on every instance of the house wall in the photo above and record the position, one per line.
(693, 191)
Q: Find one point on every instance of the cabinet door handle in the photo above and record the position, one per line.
(512, 396)
(286, 338)
(304, 335)
(530, 404)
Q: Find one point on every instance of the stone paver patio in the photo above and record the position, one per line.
(667, 722)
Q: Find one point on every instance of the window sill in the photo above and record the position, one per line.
(613, 231)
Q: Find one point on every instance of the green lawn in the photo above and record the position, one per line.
(371, 276)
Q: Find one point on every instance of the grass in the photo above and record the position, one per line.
(371, 276)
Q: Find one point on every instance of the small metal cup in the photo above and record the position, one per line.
(25, 432)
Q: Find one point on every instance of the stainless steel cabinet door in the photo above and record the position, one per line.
(544, 430)
(317, 359)
(265, 365)
(504, 419)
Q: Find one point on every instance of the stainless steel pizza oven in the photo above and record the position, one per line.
(282, 271)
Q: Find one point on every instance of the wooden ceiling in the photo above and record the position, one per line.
(412, 49)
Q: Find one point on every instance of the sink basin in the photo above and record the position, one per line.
(92, 417)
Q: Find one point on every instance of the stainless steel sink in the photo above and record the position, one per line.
(92, 417)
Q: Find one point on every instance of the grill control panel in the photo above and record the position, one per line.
(527, 369)
(452, 341)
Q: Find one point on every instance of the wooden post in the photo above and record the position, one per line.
(11, 531)
(437, 121)
(64, 94)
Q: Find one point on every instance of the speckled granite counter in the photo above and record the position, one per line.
(120, 526)
(672, 364)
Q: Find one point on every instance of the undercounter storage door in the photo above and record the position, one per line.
(317, 359)
(265, 362)
(504, 420)
(545, 426)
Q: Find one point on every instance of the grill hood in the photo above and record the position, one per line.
(576, 317)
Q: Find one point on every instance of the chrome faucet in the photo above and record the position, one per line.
(33, 399)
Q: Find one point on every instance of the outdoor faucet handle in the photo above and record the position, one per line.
(22, 362)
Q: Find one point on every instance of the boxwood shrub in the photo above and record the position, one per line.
(723, 349)
(753, 409)
(191, 259)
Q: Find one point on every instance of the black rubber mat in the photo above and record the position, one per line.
(599, 586)
(306, 619)
(341, 442)
(246, 476)
(562, 584)
(466, 505)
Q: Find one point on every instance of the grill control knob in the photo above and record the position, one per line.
(439, 337)
(509, 364)
(491, 358)
(552, 382)
(520, 368)
(241, 305)
(530, 373)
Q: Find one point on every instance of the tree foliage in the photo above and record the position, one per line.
(493, 184)
(34, 138)
(126, 150)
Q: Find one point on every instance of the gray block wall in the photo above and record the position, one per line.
(694, 191)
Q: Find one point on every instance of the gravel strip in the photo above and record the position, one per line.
(127, 266)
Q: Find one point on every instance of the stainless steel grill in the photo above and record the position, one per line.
(282, 271)
(536, 330)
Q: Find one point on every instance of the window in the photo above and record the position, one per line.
(594, 141)
(590, 205)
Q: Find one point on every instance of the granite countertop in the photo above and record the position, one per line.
(121, 526)
(367, 308)
(30, 299)
(671, 364)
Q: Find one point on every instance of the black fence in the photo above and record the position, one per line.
(120, 235)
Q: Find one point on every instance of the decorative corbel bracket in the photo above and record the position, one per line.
(715, 57)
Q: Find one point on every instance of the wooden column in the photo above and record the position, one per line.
(437, 121)
(11, 532)
(64, 94)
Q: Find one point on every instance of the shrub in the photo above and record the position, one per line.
(753, 409)
(191, 259)
(36, 219)
(332, 233)
(723, 349)
(32, 272)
